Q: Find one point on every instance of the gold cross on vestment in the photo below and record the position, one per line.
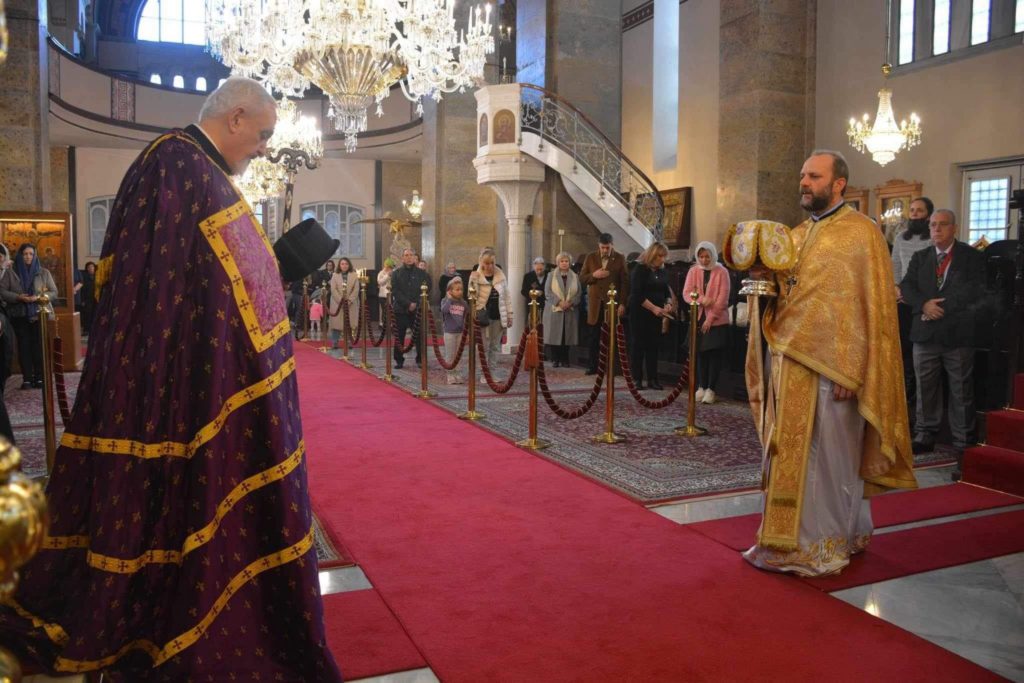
(790, 283)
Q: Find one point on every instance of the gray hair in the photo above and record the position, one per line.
(563, 254)
(487, 252)
(948, 212)
(235, 92)
(540, 260)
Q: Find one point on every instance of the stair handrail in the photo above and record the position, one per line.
(639, 195)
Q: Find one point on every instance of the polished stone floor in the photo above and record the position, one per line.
(974, 610)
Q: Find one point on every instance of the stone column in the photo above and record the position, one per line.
(24, 131)
(766, 108)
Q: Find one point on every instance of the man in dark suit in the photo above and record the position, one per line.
(944, 285)
(602, 269)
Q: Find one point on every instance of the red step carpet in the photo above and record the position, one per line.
(365, 637)
(889, 510)
(504, 567)
(999, 463)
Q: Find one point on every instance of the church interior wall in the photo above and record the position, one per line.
(970, 108)
(697, 165)
(98, 173)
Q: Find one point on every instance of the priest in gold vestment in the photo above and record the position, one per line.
(829, 401)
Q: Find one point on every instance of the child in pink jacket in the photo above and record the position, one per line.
(710, 280)
(316, 314)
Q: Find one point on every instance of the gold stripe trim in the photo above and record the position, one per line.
(54, 631)
(194, 541)
(179, 449)
(211, 228)
(189, 637)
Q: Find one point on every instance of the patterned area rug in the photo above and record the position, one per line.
(653, 464)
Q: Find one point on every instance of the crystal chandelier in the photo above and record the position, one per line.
(296, 138)
(3, 34)
(883, 138)
(414, 207)
(353, 50)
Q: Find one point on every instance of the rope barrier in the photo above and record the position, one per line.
(437, 346)
(627, 372)
(602, 369)
(406, 348)
(516, 364)
(58, 380)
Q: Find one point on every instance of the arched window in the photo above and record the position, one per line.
(155, 78)
(99, 215)
(179, 81)
(339, 220)
(201, 84)
(173, 21)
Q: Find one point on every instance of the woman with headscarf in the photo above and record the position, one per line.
(710, 280)
(650, 301)
(561, 329)
(20, 288)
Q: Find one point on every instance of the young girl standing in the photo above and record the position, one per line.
(453, 318)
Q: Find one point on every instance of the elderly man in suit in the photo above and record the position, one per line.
(945, 286)
(601, 270)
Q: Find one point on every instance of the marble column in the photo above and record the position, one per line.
(573, 49)
(24, 130)
(766, 108)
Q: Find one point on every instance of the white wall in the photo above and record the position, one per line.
(970, 109)
(698, 109)
(99, 173)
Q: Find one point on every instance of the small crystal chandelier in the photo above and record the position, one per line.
(353, 50)
(294, 136)
(3, 34)
(883, 138)
(414, 207)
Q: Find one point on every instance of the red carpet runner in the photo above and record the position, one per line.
(504, 567)
(365, 637)
(999, 464)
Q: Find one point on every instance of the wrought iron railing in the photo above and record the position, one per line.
(559, 123)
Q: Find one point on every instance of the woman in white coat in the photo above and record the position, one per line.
(493, 307)
(344, 291)
(562, 293)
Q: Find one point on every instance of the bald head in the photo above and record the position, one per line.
(239, 117)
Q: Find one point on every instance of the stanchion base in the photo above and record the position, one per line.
(535, 444)
(691, 430)
(471, 415)
(365, 366)
(423, 393)
(325, 349)
(390, 378)
(10, 670)
(608, 437)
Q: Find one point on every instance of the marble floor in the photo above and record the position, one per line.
(975, 610)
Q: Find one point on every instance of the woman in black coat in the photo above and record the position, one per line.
(650, 300)
(534, 279)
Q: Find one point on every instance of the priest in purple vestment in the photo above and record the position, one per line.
(181, 538)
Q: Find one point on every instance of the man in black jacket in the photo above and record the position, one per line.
(945, 287)
(405, 291)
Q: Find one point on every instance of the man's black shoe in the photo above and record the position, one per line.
(398, 366)
(655, 385)
(919, 447)
(590, 371)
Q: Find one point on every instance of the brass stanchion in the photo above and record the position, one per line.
(424, 392)
(692, 429)
(22, 528)
(387, 376)
(344, 331)
(364, 315)
(325, 319)
(49, 419)
(532, 441)
(471, 413)
(609, 435)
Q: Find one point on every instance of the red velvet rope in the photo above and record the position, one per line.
(516, 365)
(379, 341)
(437, 347)
(394, 331)
(346, 323)
(681, 384)
(58, 376)
(602, 369)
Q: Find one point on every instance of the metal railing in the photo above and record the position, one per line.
(559, 123)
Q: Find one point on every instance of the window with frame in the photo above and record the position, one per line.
(99, 216)
(954, 26)
(340, 221)
(173, 21)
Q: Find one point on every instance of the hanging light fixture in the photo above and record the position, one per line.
(883, 138)
(296, 141)
(3, 34)
(414, 207)
(353, 50)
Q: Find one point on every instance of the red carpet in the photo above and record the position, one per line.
(1005, 429)
(998, 468)
(365, 637)
(926, 548)
(504, 567)
(889, 510)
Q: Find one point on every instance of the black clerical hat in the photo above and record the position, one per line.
(303, 249)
